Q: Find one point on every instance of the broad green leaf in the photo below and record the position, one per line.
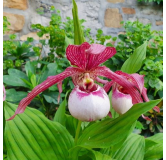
(31, 136)
(77, 151)
(78, 33)
(132, 148)
(15, 78)
(60, 113)
(51, 70)
(15, 96)
(68, 41)
(108, 132)
(134, 62)
(155, 152)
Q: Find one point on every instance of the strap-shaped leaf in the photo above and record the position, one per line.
(78, 33)
(109, 132)
(134, 62)
(132, 148)
(31, 136)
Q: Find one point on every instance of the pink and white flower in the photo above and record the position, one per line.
(88, 101)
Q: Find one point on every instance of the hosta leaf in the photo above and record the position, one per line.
(154, 147)
(134, 62)
(31, 136)
(78, 33)
(132, 148)
(77, 151)
(109, 132)
(15, 78)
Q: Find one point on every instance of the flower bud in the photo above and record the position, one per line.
(121, 102)
(89, 106)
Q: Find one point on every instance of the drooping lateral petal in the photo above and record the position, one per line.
(146, 118)
(98, 54)
(51, 80)
(145, 97)
(101, 80)
(4, 93)
(59, 85)
(132, 90)
(136, 79)
(108, 85)
(76, 54)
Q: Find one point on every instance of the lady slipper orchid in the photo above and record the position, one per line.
(122, 101)
(88, 101)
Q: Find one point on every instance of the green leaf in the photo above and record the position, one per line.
(51, 70)
(77, 151)
(32, 136)
(68, 41)
(109, 132)
(30, 68)
(134, 62)
(15, 96)
(51, 97)
(78, 33)
(33, 80)
(132, 148)
(60, 113)
(15, 78)
(113, 112)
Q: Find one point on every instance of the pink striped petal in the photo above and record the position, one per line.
(157, 109)
(101, 80)
(43, 86)
(130, 87)
(110, 114)
(76, 54)
(98, 54)
(145, 97)
(108, 85)
(136, 79)
(146, 118)
(4, 93)
(59, 85)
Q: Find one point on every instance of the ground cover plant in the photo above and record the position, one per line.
(73, 112)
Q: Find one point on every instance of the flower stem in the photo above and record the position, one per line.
(77, 132)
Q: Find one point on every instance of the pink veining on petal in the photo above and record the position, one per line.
(135, 78)
(4, 93)
(93, 60)
(146, 118)
(108, 85)
(117, 94)
(59, 85)
(76, 54)
(51, 80)
(128, 86)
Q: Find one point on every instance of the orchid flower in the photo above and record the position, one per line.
(121, 100)
(88, 101)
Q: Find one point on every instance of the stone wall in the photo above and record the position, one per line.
(104, 14)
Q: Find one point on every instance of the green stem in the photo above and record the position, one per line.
(77, 132)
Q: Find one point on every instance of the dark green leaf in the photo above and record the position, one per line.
(15, 78)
